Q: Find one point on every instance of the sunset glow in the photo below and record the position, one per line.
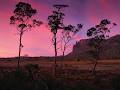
(37, 42)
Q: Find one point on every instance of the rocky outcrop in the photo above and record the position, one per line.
(110, 49)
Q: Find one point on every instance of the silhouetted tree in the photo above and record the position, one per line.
(22, 18)
(68, 34)
(55, 21)
(97, 34)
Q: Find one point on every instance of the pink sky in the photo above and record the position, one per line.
(38, 41)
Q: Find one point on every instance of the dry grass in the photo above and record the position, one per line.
(87, 65)
(73, 70)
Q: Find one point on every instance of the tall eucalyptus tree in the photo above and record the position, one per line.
(23, 19)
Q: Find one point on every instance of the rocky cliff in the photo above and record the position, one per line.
(110, 49)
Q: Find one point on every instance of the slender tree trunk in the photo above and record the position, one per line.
(78, 56)
(63, 57)
(20, 47)
(96, 62)
(94, 68)
(55, 47)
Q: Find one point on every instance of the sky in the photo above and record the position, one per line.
(37, 42)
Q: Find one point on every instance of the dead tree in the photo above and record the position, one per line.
(67, 36)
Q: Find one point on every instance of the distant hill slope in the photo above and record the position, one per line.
(110, 49)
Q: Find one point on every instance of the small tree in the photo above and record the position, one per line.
(68, 35)
(22, 18)
(97, 34)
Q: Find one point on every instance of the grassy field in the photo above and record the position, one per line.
(108, 65)
(74, 73)
(70, 68)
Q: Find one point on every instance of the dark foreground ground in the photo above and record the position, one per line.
(70, 75)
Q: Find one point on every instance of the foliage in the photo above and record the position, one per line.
(21, 80)
(55, 21)
(68, 34)
(97, 34)
(22, 18)
(83, 86)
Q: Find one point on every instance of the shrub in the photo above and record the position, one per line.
(116, 82)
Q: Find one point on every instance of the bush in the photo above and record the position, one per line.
(20, 80)
(116, 82)
(83, 86)
(54, 84)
